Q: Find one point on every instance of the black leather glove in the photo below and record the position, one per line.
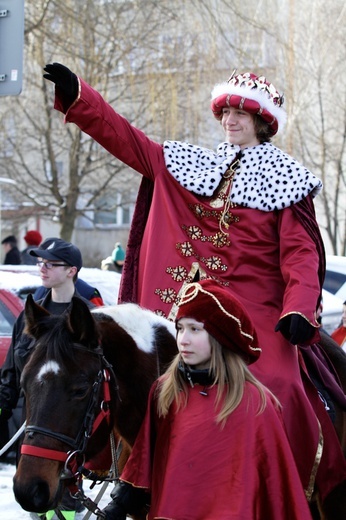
(296, 329)
(126, 500)
(113, 511)
(65, 80)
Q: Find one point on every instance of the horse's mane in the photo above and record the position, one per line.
(141, 324)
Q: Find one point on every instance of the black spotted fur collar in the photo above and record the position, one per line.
(267, 179)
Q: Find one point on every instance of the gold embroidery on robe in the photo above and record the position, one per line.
(195, 233)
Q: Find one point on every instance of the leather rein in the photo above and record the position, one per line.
(90, 424)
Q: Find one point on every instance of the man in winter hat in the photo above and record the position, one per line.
(33, 238)
(242, 215)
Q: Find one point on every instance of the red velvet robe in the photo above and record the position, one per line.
(197, 471)
(268, 259)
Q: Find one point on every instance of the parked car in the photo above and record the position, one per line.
(334, 292)
(10, 307)
(332, 309)
(335, 281)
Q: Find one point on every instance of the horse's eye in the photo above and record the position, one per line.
(79, 393)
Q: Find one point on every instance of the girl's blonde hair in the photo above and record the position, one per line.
(227, 370)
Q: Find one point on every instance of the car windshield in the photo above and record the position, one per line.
(334, 281)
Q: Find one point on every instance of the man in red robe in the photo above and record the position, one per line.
(242, 215)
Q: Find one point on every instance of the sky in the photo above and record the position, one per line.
(11, 510)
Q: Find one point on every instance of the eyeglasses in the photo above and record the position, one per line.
(49, 265)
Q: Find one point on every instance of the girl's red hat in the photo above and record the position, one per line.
(223, 317)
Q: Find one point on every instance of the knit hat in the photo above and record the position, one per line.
(223, 317)
(33, 238)
(119, 253)
(57, 249)
(253, 94)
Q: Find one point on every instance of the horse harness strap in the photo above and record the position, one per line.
(44, 453)
(104, 412)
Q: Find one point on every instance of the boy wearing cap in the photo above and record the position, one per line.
(242, 215)
(59, 264)
(212, 444)
(83, 288)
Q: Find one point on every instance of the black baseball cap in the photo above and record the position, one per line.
(58, 249)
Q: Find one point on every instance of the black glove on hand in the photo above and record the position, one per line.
(296, 329)
(113, 511)
(126, 500)
(65, 80)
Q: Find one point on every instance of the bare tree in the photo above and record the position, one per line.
(318, 111)
(156, 63)
(58, 168)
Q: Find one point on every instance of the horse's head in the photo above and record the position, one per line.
(61, 383)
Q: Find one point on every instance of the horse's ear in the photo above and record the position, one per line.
(34, 315)
(81, 323)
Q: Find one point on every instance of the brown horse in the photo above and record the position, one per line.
(88, 374)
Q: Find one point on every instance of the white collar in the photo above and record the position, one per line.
(267, 179)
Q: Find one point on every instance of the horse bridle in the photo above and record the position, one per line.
(89, 426)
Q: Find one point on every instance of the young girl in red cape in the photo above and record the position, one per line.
(212, 445)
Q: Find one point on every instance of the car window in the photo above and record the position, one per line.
(6, 321)
(25, 291)
(334, 281)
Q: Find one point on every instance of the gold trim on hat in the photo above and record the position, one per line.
(189, 293)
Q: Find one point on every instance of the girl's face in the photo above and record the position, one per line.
(193, 343)
(239, 127)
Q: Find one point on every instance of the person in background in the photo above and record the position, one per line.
(59, 264)
(115, 261)
(242, 215)
(118, 257)
(83, 288)
(339, 334)
(33, 238)
(212, 444)
(12, 253)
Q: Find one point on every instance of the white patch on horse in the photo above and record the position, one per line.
(139, 323)
(50, 366)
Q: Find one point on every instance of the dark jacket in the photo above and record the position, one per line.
(27, 258)
(12, 257)
(17, 356)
